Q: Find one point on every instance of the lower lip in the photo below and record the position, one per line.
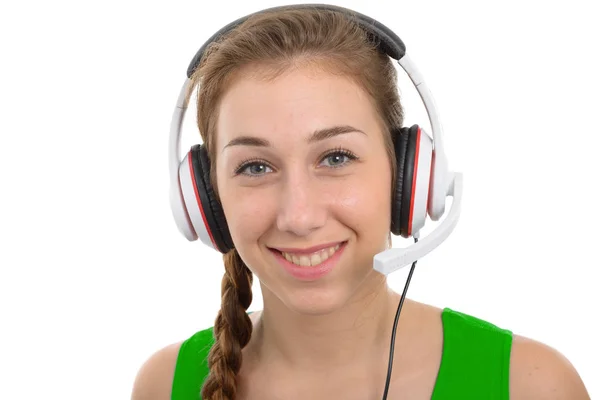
(310, 273)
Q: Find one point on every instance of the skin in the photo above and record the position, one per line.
(328, 338)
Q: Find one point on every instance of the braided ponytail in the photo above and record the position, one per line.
(232, 330)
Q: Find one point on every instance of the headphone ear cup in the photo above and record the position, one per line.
(416, 180)
(211, 209)
(400, 139)
(407, 183)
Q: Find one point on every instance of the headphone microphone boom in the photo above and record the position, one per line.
(423, 184)
(393, 259)
(442, 184)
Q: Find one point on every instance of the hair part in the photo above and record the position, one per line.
(278, 41)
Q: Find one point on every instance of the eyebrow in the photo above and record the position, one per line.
(318, 135)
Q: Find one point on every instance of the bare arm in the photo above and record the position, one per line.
(154, 380)
(540, 372)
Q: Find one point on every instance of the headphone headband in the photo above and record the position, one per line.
(387, 41)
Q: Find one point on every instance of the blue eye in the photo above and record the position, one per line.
(253, 168)
(339, 158)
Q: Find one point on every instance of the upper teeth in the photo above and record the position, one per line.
(307, 260)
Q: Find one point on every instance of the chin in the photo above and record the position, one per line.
(318, 298)
(314, 301)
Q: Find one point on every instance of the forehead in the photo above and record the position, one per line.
(292, 105)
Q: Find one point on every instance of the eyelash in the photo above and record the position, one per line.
(239, 170)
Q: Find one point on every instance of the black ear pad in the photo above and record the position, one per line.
(400, 139)
(213, 211)
(409, 171)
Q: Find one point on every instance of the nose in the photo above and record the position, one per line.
(302, 206)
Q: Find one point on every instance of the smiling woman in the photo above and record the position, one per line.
(302, 176)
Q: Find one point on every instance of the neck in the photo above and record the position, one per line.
(358, 332)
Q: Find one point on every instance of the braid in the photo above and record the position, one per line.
(232, 330)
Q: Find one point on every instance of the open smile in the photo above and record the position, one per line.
(311, 263)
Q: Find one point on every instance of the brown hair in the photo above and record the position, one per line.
(277, 41)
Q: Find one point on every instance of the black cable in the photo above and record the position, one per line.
(391, 359)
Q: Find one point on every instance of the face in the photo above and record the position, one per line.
(304, 178)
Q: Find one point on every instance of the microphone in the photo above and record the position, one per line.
(392, 260)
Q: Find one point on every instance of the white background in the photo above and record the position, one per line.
(94, 274)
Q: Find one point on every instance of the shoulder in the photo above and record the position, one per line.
(538, 371)
(154, 379)
(535, 370)
(175, 370)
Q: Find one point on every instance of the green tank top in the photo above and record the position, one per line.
(475, 361)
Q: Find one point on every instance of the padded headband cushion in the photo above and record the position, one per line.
(212, 208)
(387, 41)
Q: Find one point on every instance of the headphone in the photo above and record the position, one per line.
(423, 178)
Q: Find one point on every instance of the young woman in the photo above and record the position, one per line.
(299, 114)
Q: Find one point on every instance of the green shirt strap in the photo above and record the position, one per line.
(476, 359)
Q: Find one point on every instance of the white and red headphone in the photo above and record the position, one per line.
(423, 179)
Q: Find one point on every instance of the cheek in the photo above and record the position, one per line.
(248, 214)
(366, 213)
(366, 200)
